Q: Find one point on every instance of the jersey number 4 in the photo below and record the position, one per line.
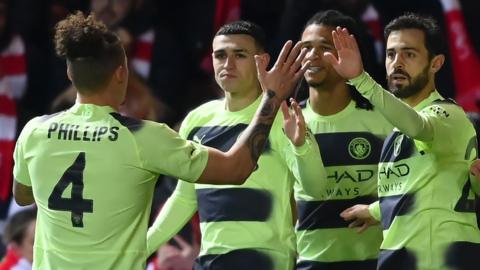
(76, 204)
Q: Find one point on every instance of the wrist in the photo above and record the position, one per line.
(273, 97)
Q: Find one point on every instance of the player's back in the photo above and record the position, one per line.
(91, 189)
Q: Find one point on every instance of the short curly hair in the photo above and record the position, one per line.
(93, 52)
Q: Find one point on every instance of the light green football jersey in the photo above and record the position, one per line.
(426, 201)
(350, 143)
(248, 226)
(93, 172)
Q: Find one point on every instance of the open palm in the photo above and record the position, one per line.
(349, 62)
(294, 123)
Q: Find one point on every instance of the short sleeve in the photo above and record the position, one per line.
(163, 151)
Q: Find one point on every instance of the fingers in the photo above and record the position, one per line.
(297, 110)
(336, 39)
(354, 43)
(475, 168)
(283, 54)
(261, 66)
(181, 242)
(348, 214)
(285, 111)
(341, 37)
(356, 223)
(301, 71)
(295, 57)
(362, 228)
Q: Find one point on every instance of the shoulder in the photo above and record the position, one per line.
(202, 114)
(449, 117)
(207, 108)
(132, 124)
(39, 121)
(445, 109)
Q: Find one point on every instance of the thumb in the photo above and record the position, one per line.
(330, 58)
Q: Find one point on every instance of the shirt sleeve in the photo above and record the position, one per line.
(163, 151)
(374, 209)
(175, 213)
(398, 113)
(305, 162)
(448, 121)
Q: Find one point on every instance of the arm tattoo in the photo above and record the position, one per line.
(256, 140)
(263, 122)
(267, 106)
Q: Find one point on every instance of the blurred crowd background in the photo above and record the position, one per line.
(169, 49)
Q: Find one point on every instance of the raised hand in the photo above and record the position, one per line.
(294, 123)
(349, 62)
(286, 71)
(360, 217)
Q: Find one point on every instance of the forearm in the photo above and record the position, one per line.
(176, 212)
(255, 136)
(237, 164)
(307, 166)
(398, 113)
(23, 194)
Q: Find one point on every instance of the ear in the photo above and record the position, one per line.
(437, 62)
(121, 73)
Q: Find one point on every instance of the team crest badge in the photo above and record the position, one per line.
(359, 148)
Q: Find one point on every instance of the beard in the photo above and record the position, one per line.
(414, 86)
(314, 84)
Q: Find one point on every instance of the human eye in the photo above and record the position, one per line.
(219, 55)
(241, 55)
(411, 54)
(390, 54)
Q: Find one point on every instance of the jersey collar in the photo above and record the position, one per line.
(429, 100)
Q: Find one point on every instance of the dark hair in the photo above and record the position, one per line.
(92, 51)
(428, 25)
(245, 28)
(17, 226)
(334, 18)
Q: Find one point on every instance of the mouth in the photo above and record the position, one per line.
(227, 76)
(398, 78)
(313, 70)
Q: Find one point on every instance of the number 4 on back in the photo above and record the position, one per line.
(75, 204)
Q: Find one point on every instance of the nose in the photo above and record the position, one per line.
(398, 61)
(229, 62)
(312, 54)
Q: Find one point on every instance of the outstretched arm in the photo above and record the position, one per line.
(349, 65)
(175, 213)
(234, 166)
(303, 154)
